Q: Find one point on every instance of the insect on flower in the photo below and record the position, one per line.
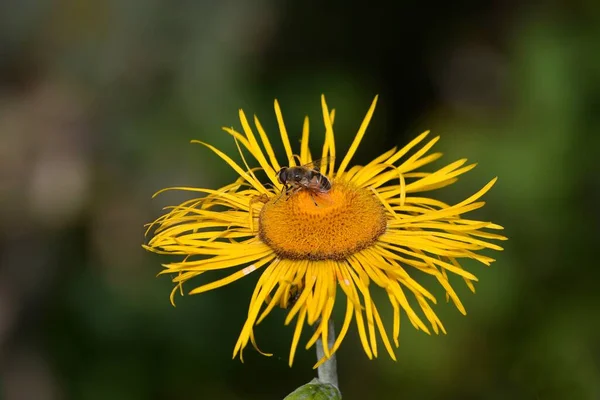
(305, 177)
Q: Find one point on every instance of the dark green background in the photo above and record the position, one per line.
(98, 102)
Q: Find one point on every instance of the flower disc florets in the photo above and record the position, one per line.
(328, 226)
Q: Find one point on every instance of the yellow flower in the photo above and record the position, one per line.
(371, 229)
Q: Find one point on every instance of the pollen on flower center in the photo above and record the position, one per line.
(342, 222)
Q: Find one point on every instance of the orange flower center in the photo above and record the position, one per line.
(328, 226)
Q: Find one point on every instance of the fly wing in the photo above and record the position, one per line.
(317, 164)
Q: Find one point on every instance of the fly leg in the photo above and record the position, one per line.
(283, 191)
(294, 191)
(312, 196)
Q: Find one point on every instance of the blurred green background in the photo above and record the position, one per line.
(98, 102)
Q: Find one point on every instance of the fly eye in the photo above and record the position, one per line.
(280, 175)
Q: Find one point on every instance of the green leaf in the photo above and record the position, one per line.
(315, 390)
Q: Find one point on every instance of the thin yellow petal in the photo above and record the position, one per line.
(358, 137)
(362, 286)
(255, 149)
(383, 334)
(253, 341)
(296, 337)
(284, 136)
(309, 284)
(325, 325)
(396, 327)
(477, 195)
(256, 184)
(346, 325)
(329, 145)
(267, 144)
(407, 148)
(286, 276)
(233, 277)
(305, 157)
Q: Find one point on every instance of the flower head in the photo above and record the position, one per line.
(370, 229)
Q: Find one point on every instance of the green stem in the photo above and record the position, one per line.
(328, 370)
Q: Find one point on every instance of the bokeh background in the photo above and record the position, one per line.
(98, 103)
